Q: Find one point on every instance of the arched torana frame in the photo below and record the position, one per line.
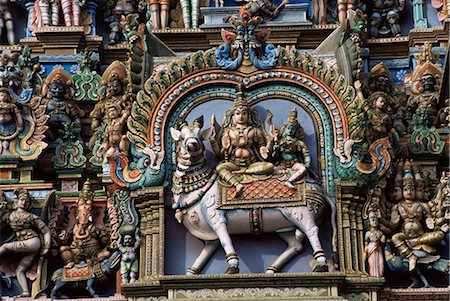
(305, 80)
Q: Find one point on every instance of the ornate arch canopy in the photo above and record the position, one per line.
(265, 72)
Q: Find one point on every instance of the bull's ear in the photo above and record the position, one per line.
(176, 134)
(206, 133)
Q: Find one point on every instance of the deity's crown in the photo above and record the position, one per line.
(19, 192)
(408, 176)
(240, 101)
(399, 175)
(417, 175)
(293, 114)
(86, 195)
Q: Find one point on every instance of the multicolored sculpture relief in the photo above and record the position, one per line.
(110, 114)
(58, 97)
(374, 242)
(113, 16)
(32, 235)
(128, 246)
(87, 79)
(242, 145)
(86, 240)
(22, 116)
(384, 19)
(246, 50)
(413, 224)
(265, 9)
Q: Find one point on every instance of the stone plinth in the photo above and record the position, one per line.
(292, 15)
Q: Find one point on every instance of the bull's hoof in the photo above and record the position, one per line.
(321, 268)
(232, 270)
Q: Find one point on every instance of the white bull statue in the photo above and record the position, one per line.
(197, 208)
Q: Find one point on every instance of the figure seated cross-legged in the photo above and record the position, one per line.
(244, 147)
(411, 213)
(291, 152)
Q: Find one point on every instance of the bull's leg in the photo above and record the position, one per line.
(293, 237)
(208, 250)
(90, 289)
(227, 245)
(307, 224)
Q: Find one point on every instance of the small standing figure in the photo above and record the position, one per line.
(11, 120)
(129, 263)
(114, 137)
(385, 17)
(6, 21)
(374, 240)
(291, 151)
(28, 229)
(379, 118)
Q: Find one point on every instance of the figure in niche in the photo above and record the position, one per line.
(87, 242)
(291, 152)
(11, 120)
(29, 229)
(265, 9)
(59, 90)
(379, 118)
(114, 138)
(128, 247)
(243, 147)
(411, 213)
(374, 240)
(399, 123)
(384, 20)
(428, 97)
(113, 15)
(112, 93)
(6, 21)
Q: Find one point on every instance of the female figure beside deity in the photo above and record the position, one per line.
(29, 229)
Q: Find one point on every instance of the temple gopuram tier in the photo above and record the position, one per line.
(224, 150)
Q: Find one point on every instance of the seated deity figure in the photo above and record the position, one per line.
(244, 147)
(11, 120)
(411, 214)
(32, 235)
(88, 241)
(291, 152)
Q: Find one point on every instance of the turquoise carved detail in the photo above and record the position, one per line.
(86, 80)
(424, 138)
(69, 151)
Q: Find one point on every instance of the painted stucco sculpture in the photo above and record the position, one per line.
(32, 236)
(191, 201)
(7, 21)
(23, 115)
(385, 18)
(110, 114)
(58, 96)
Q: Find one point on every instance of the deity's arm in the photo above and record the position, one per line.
(395, 216)
(261, 143)
(45, 232)
(305, 152)
(226, 144)
(19, 118)
(429, 219)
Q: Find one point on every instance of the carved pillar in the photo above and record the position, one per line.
(419, 19)
(349, 203)
(28, 6)
(91, 10)
(150, 205)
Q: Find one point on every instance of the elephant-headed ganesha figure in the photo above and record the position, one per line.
(86, 241)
